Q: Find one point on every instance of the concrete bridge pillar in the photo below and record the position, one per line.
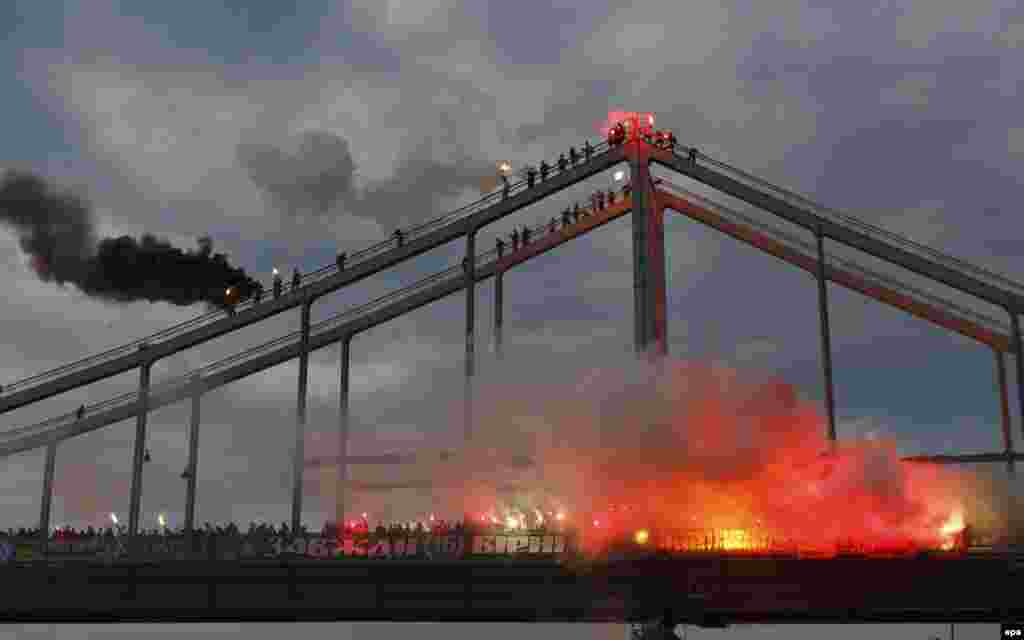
(138, 459)
(499, 298)
(470, 274)
(648, 257)
(826, 337)
(1019, 353)
(345, 345)
(193, 457)
(1004, 407)
(45, 508)
(299, 454)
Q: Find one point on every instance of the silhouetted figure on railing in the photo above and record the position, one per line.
(611, 197)
(575, 212)
(296, 279)
(505, 188)
(588, 150)
(257, 294)
(399, 238)
(693, 156)
(80, 412)
(340, 260)
(600, 200)
(465, 265)
(500, 245)
(278, 284)
(526, 236)
(544, 169)
(671, 141)
(562, 163)
(573, 156)
(515, 240)
(616, 135)
(552, 225)
(565, 217)
(531, 176)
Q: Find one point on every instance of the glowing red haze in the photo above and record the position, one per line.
(692, 446)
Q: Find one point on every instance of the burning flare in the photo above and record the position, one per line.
(702, 459)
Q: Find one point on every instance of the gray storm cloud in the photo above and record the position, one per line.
(320, 178)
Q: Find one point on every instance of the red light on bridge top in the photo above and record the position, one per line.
(641, 121)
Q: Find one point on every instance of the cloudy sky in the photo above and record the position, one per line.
(287, 131)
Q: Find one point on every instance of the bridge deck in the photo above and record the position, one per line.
(706, 590)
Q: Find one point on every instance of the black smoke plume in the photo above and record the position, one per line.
(56, 229)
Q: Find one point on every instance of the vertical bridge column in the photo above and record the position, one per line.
(499, 302)
(299, 456)
(342, 472)
(826, 337)
(648, 256)
(470, 269)
(138, 459)
(1019, 353)
(1004, 406)
(193, 458)
(45, 508)
(658, 285)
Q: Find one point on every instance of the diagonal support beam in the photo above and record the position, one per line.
(716, 175)
(359, 323)
(891, 297)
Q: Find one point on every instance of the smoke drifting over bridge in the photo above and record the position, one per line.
(689, 445)
(57, 231)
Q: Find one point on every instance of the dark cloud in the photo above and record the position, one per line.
(312, 180)
(321, 176)
(56, 229)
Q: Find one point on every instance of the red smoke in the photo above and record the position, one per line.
(644, 118)
(692, 446)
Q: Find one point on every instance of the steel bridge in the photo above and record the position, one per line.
(647, 200)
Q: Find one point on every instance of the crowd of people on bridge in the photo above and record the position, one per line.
(357, 528)
(599, 201)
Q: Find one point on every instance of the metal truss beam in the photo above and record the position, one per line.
(400, 307)
(891, 297)
(841, 233)
(357, 272)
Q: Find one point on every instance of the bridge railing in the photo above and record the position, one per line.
(353, 259)
(174, 384)
(846, 220)
(804, 246)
